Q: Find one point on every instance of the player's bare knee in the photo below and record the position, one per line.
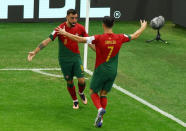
(91, 91)
(70, 82)
(81, 81)
(103, 93)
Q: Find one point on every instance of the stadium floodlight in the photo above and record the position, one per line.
(86, 28)
(157, 23)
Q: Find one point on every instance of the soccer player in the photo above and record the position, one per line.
(107, 50)
(69, 55)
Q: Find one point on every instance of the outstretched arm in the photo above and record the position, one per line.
(71, 36)
(140, 30)
(76, 38)
(42, 45)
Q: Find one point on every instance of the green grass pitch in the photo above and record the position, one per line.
(155, 72)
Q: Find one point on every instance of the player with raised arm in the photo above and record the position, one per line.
(107, 50)
(69, 55)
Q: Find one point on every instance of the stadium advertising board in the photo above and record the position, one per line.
(55, 10)
(31, 9)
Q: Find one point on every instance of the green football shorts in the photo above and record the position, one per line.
(102, 80)
(71, 69)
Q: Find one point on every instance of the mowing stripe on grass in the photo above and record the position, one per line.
(155, 108)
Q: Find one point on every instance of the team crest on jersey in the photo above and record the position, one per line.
(65, 41)
(66, 76)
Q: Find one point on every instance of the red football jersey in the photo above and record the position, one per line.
(107, 46)
(78, 29)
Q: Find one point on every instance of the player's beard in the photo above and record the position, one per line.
(72, 24)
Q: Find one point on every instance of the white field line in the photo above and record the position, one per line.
(29, 69)
(38, 70)
(53, 75)
(47, 74)
(155, 108)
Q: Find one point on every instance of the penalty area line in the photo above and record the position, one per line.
(47, 74)
(38, 70)
(52, 75)
(30, 69)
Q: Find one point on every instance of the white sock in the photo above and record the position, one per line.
(75, 100)
(100, 109)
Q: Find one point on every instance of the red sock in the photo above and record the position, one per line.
(72, 91)
(81, 87)
(103, 101)
(96, 100)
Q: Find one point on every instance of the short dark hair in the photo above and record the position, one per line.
(108, 21)
(71, 11)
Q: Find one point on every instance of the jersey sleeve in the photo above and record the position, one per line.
(125, 38)
(53, 35)
(92, 39)
(96, 39)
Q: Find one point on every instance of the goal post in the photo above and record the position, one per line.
(86, 28)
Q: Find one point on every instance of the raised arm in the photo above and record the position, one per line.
(42, 45)
(71, 36)
(140, 30)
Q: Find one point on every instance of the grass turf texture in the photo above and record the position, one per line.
(155, 72)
